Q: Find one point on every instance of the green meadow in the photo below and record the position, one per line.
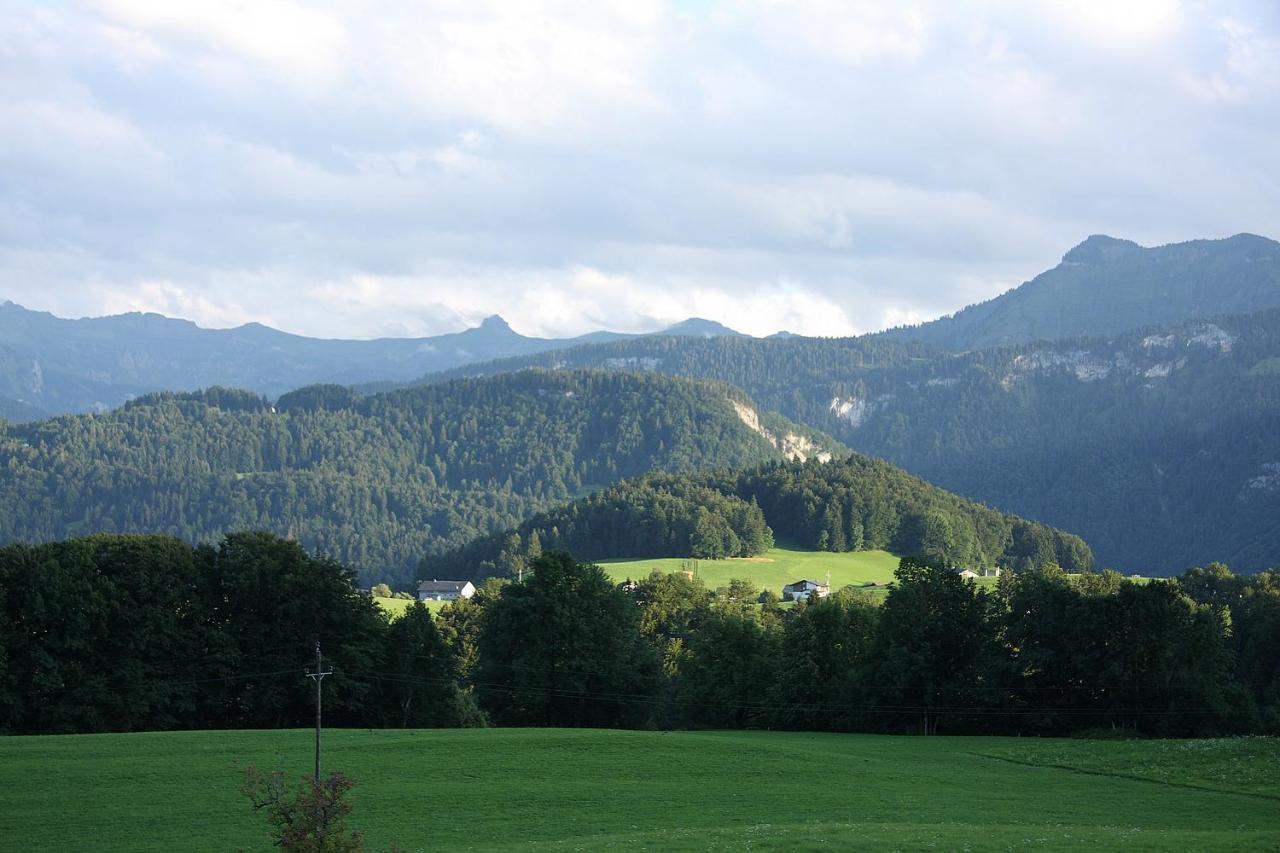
(777, 567)
(552, 789)
(773, 569)
(395, 607)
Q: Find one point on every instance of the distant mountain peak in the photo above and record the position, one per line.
(495, 324)
(1099, 248)
(698, 327)
(1106, 286)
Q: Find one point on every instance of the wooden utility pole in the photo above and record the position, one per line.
(318, 676)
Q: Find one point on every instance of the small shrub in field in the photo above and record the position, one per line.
(311, 820)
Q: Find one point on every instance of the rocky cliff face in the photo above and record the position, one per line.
(795, 447)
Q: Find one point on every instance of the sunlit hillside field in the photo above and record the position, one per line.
(773, 569)
(395, 607)
(777, 567)
(549, 789)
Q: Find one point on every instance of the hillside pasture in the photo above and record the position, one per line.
(395, 607)
(774, 569)
(550, 789)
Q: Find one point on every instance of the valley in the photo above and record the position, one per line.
(676, 425)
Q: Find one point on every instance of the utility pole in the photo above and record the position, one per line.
(318, 676)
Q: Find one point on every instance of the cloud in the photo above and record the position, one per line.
(1121, 25)
(293, 38)
(845, 31)
(826, 167)
(165, 297)
(525, 66)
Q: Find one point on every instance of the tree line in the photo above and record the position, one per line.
(850, 504)
(124, 633)
(120, 633)
(1044, 653)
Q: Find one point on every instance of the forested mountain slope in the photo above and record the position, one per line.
(1160, 447)
(849, 504)
(1106, 286)
(377, 481)
(50, 365)
(798, 374)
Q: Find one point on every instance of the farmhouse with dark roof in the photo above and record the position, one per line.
(434, 590)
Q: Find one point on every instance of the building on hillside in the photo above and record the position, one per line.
(805, 589)
(977, 573)
(435, 590)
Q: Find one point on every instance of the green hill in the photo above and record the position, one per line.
(552, 789)
(378, 481)
(853, 504)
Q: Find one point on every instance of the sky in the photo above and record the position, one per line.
(827, 167)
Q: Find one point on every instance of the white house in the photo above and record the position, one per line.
(979, 573)
(803, 589)
(434, 590)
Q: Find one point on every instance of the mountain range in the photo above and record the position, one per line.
(1104, 286)
(1130, 395)
(50, 365)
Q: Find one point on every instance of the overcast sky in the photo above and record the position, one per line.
(825, 167)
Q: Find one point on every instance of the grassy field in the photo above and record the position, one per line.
(396, 606)
(773, 569)
(548, 789)
(778, 567)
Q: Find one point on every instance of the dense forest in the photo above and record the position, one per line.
(378, 481)
(126, 633)
(123, 633)
(1160, 447)
(847, 505)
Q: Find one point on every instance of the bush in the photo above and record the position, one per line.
(313, 820)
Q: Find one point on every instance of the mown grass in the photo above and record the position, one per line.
(1245, 764)
(773, 569)
(553, 789)
(395, 607)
